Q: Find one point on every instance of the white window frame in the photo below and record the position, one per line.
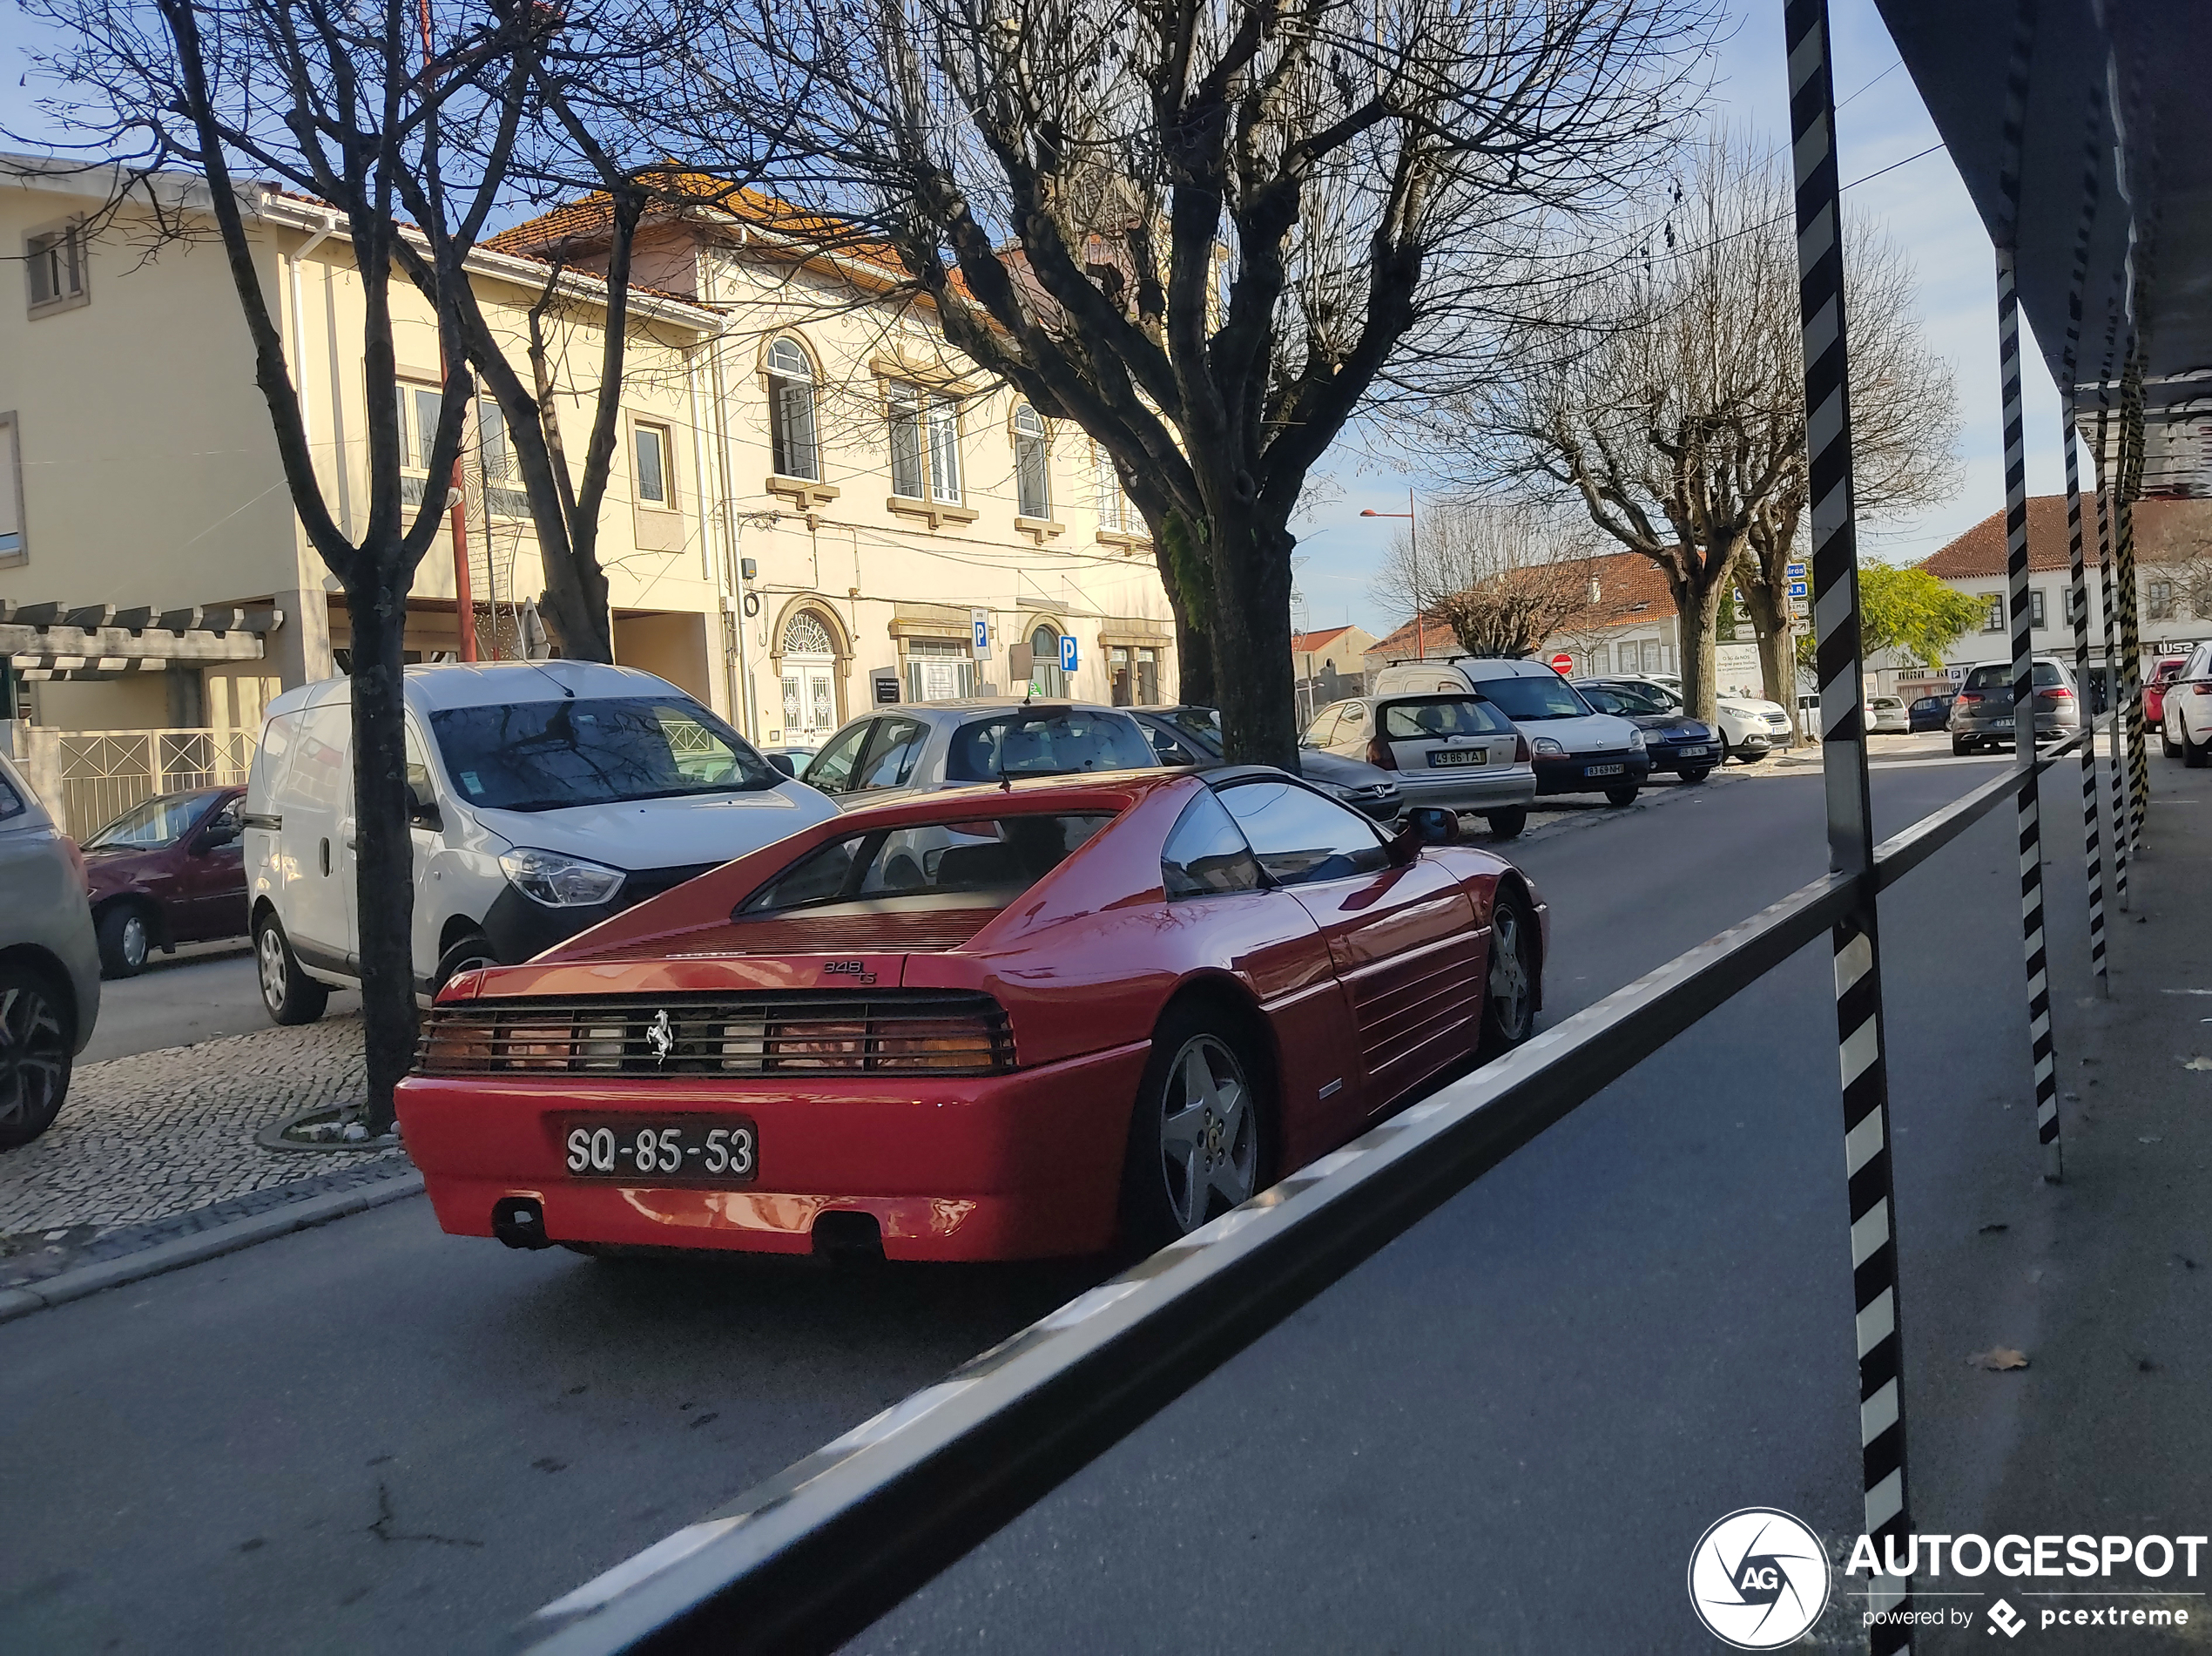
(790, 373)
(914, 653)
(1993, 612)
(498, 476)
(664, 434)
(940, 428)
(925, 444)
(42, 243)
(1032, 462)
(2158, 600)
(1112, 500)
(416, 438)
(15, 542)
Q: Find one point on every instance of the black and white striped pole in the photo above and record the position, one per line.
(1855, 940)
(2078, 599)
(2077, 586)
(2131, 642)
(2031, 834)
(2119, 766)
(2018, 602)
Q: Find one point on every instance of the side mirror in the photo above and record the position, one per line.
(216, 836)
(422, 808)
(782, 762)
(1424, 825)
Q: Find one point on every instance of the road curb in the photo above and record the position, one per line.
(209, 1243)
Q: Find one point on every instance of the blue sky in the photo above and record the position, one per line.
(1922, 204)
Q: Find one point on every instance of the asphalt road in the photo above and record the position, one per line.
(1505, 1432)
(201, 993)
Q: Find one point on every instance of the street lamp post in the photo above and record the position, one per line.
(1413, 550)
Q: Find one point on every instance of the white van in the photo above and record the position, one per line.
(548, 795)
(1577, 748)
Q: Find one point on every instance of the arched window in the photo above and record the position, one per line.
(1032, 473)
(791, 412)
(1044, 661)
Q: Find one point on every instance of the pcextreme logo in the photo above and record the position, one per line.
(1759, 1578)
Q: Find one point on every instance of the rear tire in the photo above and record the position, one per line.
(1506, 824)
(1509, 983)
(288, 994)
(36, 1054)
(1620, 796)
(1960, 748)
(1198, 1138)
(2167, 745)
(126, 938)
(1696, 774)
(2194, 754)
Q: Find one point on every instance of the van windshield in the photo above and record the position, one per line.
(550, 755)
(1548, 696)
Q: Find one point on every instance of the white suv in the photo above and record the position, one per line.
(548, 795)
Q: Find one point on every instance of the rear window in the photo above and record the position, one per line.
(976, 862)
(1054, 741)
(1433, 717)
(2000, 677)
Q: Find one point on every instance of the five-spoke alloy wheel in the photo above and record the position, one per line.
(35, 1056)
(1197, 1146)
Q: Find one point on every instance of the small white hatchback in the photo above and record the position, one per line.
(548, 795)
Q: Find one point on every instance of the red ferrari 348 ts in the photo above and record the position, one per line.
(991, 1024)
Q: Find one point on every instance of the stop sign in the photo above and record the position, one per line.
(1563, 664)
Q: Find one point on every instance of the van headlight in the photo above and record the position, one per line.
(560, 881)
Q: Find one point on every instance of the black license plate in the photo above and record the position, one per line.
(716, 1150)
(1440, 757)
(1603, 770)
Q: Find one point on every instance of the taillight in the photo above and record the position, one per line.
(1968, 695)
(2059, 694)
(2202, 688)
(1520, 755)
(76, 860)
(1378, 753)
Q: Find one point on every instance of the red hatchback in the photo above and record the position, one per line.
(995, 1023)
(169, 870)
(2168, 669)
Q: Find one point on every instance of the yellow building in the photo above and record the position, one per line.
(813, 497)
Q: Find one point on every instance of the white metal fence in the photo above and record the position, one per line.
(88, 778)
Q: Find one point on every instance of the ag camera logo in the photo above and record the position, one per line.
(1759, 1578)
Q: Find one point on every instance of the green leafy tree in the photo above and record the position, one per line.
(1907, 610)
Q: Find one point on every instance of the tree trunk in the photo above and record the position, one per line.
(1184, 573)
(1699, 614)
(1252, 640)
(383, 847)
(1769, 613)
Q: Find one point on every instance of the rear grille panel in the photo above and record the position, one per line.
(898, 1032)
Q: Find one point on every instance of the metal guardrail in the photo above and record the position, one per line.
(809, 1558)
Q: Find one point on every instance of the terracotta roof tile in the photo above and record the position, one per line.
(1302, 642)
(2166, 529)
(1631, 592)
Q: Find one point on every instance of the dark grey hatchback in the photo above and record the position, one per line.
(1982, 716)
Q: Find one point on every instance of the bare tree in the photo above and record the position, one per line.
(337, 102)
(1206, 233)
(1904, 433)
(1500, 577)
(1679, 421)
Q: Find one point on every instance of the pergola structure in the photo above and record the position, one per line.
(48, 641)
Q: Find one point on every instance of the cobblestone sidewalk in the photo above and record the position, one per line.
(146, 1140)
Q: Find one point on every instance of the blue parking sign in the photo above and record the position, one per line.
(1067, 658)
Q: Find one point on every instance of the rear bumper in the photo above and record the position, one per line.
(1569, 775)
(1460, 791)
(957, 1168)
